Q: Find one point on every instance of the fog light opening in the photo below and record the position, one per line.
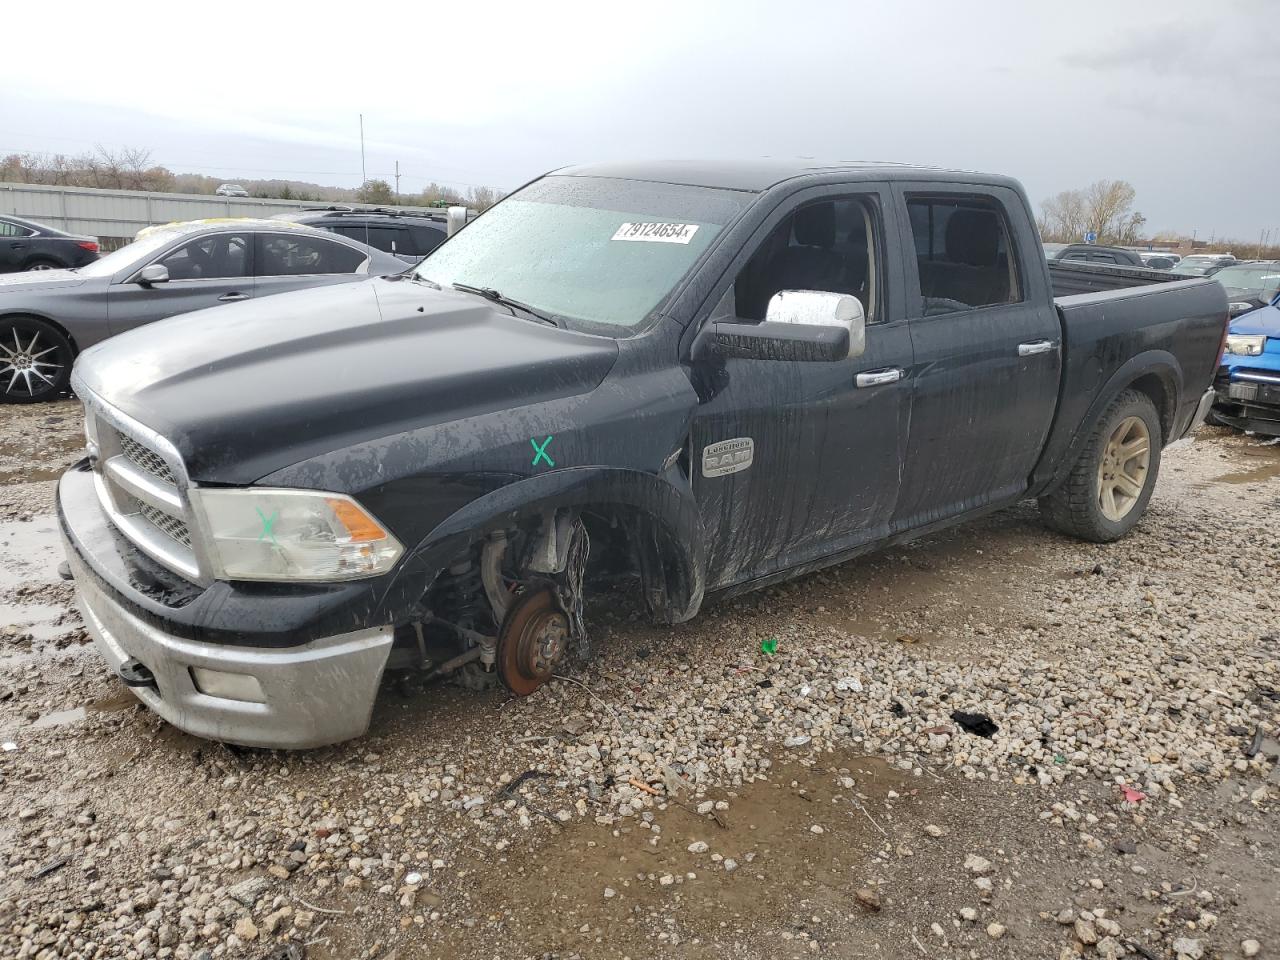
(227, 686)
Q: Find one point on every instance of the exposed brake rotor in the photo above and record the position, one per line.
(533, 640)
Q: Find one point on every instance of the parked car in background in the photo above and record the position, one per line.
(1203, 264)
(1092, 253)
(1051, 250)
(717, 376)
(231, 190)
(47, 318)
(28, 245)
(1250, 285)
(409, 234)
(1157, 260)
(1247, 388)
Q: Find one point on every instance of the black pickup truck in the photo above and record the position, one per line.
(708, 378)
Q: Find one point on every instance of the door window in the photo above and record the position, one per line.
(426, 238)
(216, 257)
(963, 253)
(284, 255)
(8, 229)
(828, 246)
(387, 239)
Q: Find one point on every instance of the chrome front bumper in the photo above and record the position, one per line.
(310, 695)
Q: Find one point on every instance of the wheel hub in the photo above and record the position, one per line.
(1122, 471)
(532, 641)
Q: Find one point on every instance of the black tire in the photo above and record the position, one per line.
(1076, 507)
(43, 263)
(35, 360)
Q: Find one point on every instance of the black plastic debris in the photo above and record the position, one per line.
(766, 683)
(898, 710)
(978, 724)
(1255, 745)
(55, 864)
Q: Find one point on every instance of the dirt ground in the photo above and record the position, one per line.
(688, 795)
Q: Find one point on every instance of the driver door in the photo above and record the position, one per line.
(814, 449)
(206, 271)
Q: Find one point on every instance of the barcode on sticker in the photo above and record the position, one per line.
(657, 232)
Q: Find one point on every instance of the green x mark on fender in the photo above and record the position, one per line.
(540, 452)
(267, 523)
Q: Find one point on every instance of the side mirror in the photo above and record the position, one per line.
(800, 325)
(153, 273)
(455, 219)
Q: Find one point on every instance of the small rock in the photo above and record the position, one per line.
(245, 929)
(869, 898)
(1086, 933)
(816, 829)
(730, 865)
(698, 846)
(1066, 916)
(705, 807)
(666, 879)
(610, 893)
(968, 913)
(1250, 948)
(976, 864)
(995, 930)
(1186, 947)
(934, 830)
(247, 892)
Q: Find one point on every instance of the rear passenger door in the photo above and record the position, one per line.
(987, 351)
(290, 261)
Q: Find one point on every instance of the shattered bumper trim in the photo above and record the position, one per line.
(314, 694)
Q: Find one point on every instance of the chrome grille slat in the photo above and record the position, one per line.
(143, 487)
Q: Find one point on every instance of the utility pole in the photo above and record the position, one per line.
(397, 181)
(364, 177)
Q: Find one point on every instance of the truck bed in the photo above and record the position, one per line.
(1172, 323)
(1072, 277)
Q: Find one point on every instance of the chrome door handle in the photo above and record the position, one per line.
(232, 297)
(876, 378)
(1035, 347)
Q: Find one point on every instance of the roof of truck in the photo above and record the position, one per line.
(756, 176)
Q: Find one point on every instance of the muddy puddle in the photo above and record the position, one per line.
(62, 718)
(1257, 460)
(30, 551)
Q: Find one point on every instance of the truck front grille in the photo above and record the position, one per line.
(142, 486)
(171, 527)
(147, 459)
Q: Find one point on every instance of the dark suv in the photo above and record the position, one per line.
(409, 234)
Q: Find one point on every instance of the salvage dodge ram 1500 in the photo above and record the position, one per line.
(709, 378)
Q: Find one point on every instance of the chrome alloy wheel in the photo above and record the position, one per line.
(28, 367)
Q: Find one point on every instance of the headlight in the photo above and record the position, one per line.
(272, 534)
(1246, 346)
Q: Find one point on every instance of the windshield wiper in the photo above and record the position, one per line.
(491, 294)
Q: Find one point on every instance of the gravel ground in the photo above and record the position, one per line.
(687, 794)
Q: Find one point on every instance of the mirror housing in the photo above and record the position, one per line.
(153, 273)
(802, 325)
(455, 219)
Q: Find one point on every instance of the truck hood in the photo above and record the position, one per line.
(1264, 320)
(30, 280)
(247, 389)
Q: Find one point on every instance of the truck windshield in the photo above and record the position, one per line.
(599, 254)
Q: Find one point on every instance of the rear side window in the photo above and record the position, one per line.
(426, 238)
(387, 239)
(8, 229)
(221, 256)
(963, 253)
(282, 255)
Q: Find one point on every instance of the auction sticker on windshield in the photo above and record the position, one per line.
(657, 232)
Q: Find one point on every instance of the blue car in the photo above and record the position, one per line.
(1247, 388)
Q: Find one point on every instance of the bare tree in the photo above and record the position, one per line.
(1063, 217)
(1109, 204)
(1104, 208)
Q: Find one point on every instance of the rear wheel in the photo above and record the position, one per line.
(1110, 484)
(42, 264)
(35, 360)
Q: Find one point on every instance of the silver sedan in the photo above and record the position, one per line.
(49, 316)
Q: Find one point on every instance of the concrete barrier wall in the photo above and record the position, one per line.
(109, 214)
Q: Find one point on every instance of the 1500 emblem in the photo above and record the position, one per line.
(728, 456)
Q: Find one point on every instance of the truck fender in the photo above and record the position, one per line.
(667, 532)
(1156, 373)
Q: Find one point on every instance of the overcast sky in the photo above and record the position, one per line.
(1180, 98)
